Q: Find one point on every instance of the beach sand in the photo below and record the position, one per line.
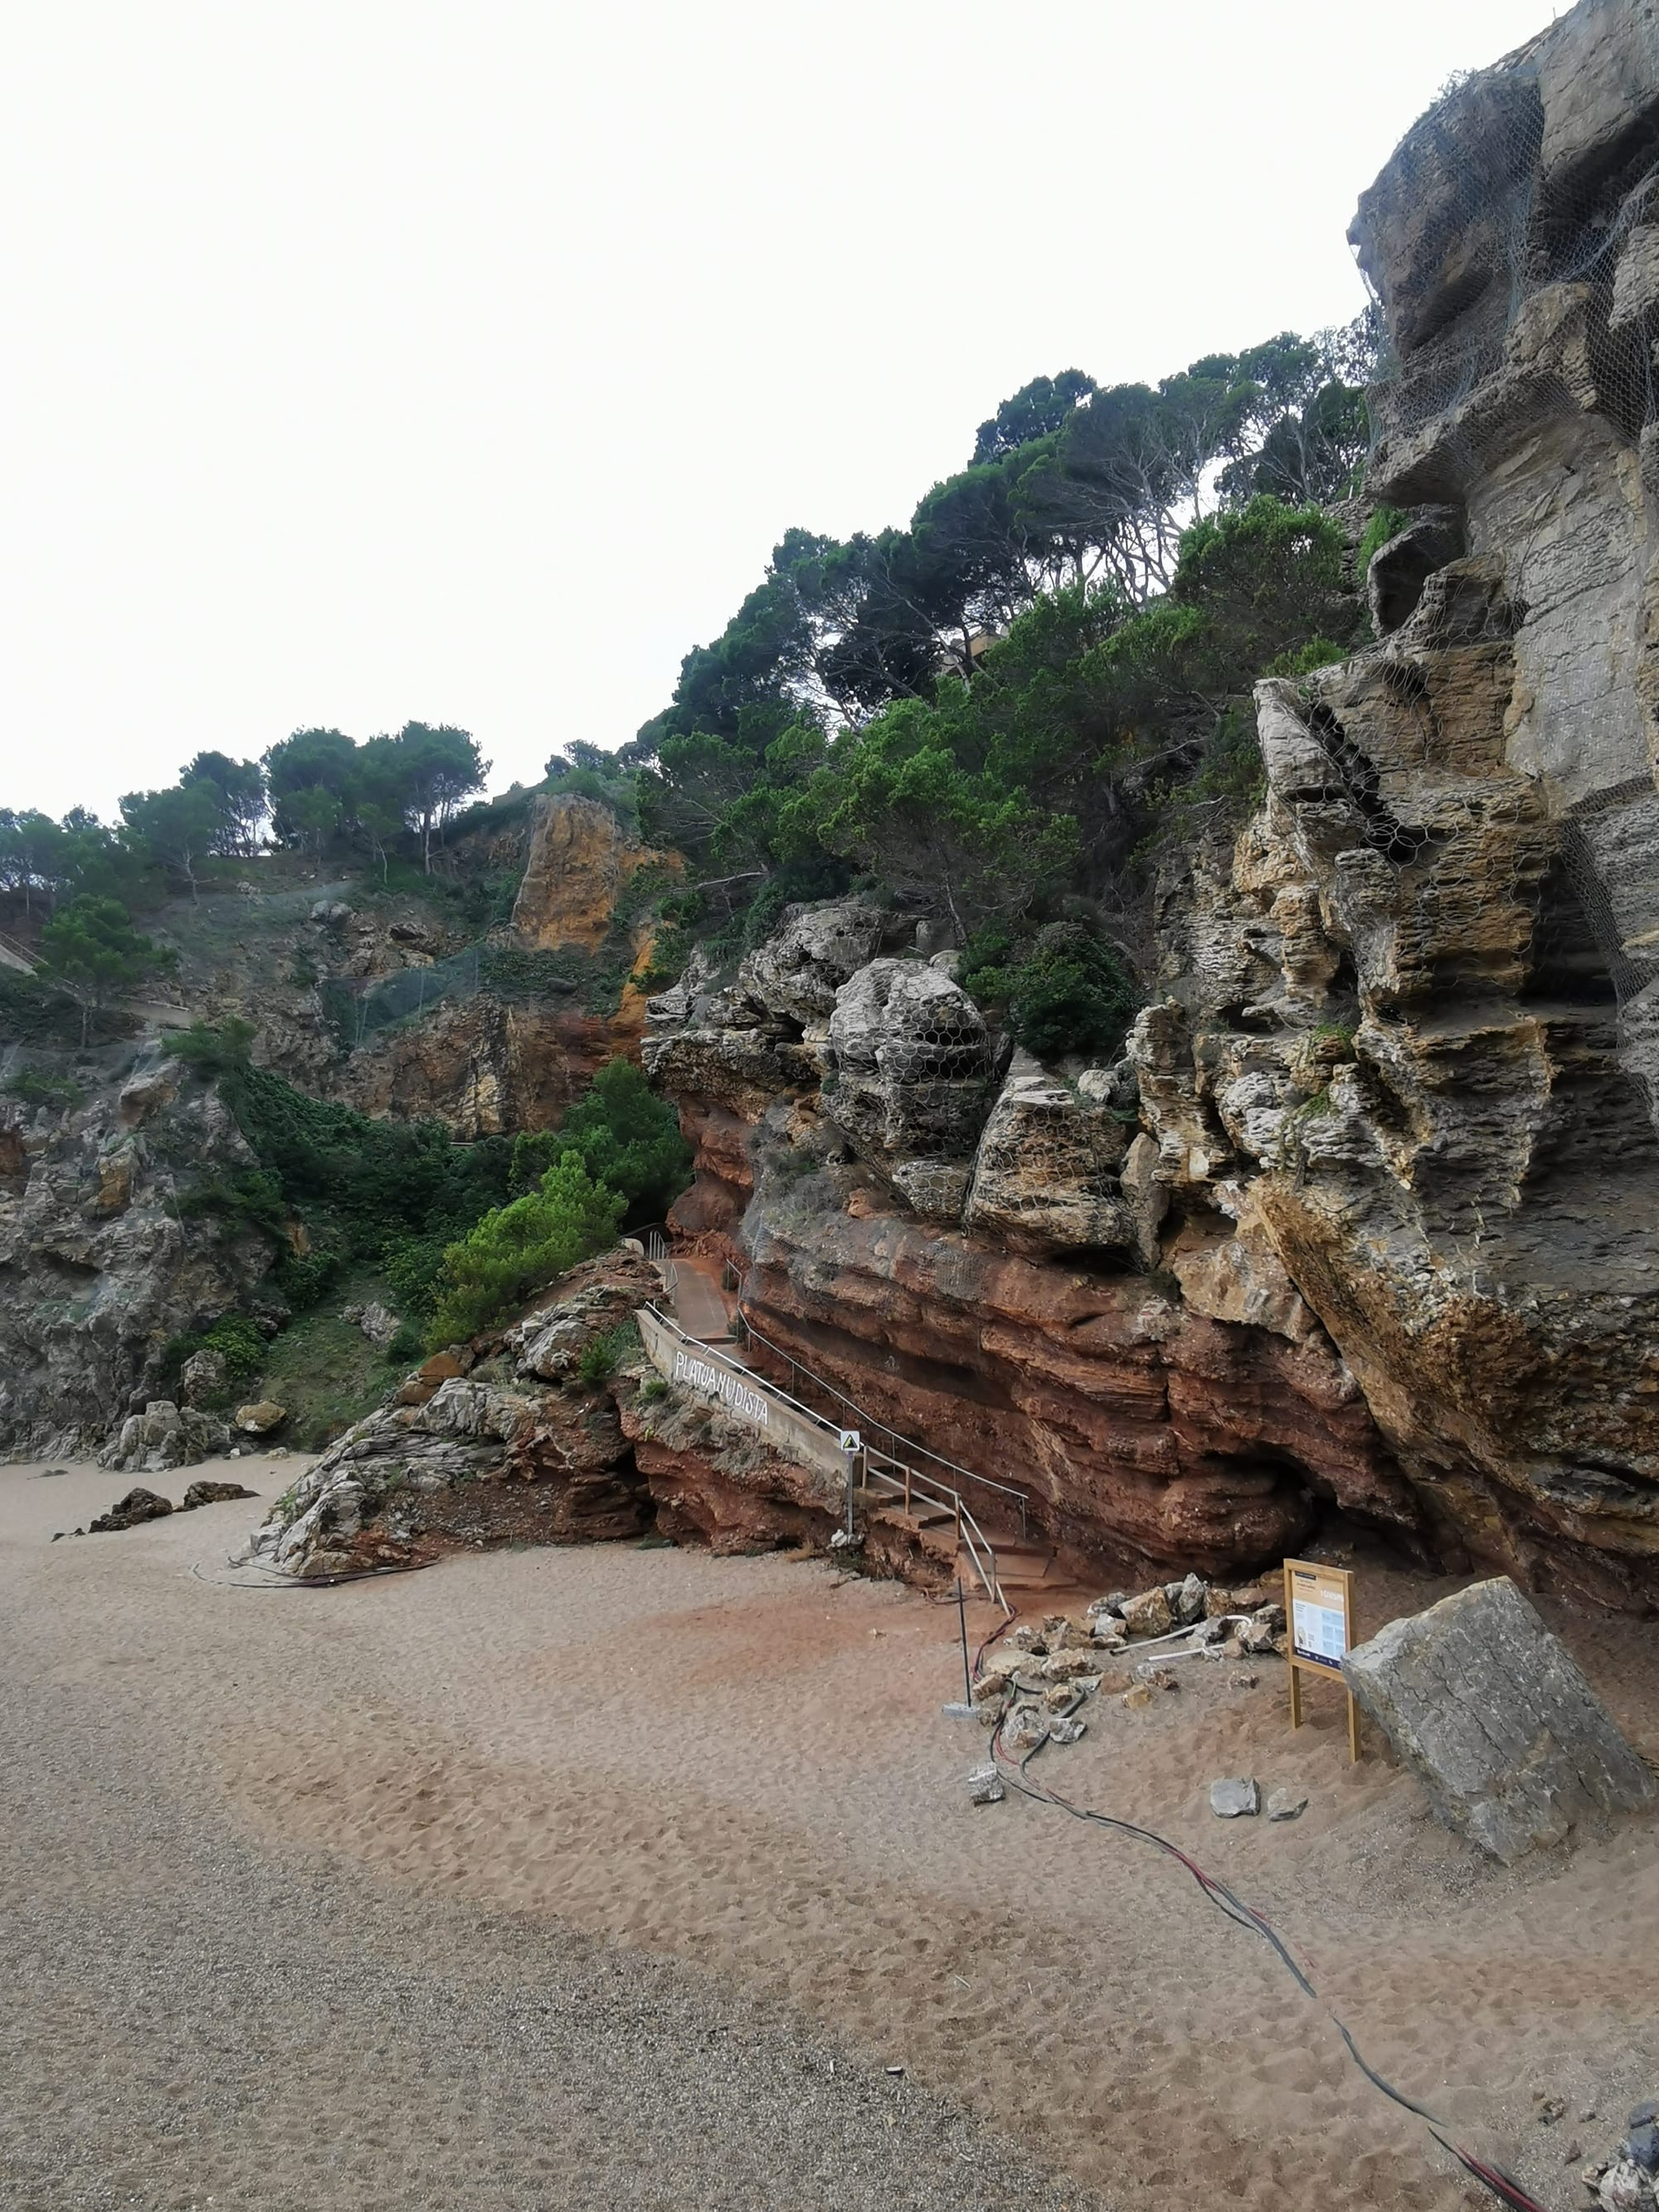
(560, 1876)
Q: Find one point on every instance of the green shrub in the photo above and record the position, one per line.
(518, 1250)
(239, 1342)
(406, 1346)
(670, 948)
(412, 1265)
(1067, 992)
(1388, 522)
(36, 1088)
(605, 1354)
(250, 1200)
(627, 1137)
(213, 1051)
(1318, 653)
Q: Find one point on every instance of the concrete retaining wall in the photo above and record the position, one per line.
(697, 1371)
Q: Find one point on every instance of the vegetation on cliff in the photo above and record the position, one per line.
(986, 715)
(458, 1231)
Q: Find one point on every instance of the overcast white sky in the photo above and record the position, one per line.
(406, 358)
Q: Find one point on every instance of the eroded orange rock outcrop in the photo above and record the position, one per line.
(580, 860)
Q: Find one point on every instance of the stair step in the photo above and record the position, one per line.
(1016, 1570)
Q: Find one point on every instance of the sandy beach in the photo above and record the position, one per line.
(620, 1876)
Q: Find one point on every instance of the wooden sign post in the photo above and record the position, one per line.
(1319, 1630)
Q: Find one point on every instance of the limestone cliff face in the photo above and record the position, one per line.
(484, 1067)
(379, 999)
(1369, 1213)
(580, 859)
(101, 1260)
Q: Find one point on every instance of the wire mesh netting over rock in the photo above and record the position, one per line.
(1486, 783)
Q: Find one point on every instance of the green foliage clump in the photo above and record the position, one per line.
(1386, 522)
(625, 1136)
(240, 1344)
(236, 1339)
(90, 950)
(36, 1088)
(213, 1050)
(519, 1249)
(412, 1265)
(671, 948)
(586, 772)
(406, 1197)
(607, 1352)
(1065, 991)
(407, 1343)
(360, 1190)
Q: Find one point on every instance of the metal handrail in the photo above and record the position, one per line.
(970, 1536)
(717, 1352)
(985, 1482)
(656, 1251)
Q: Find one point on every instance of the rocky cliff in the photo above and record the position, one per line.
(103, 1258)
(389, 1000)
(1365, 1216)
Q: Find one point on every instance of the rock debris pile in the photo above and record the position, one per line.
(1034, 1688)
(1628, 2180)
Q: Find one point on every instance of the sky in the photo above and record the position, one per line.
(408, 359)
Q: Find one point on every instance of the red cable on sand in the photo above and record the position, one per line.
(1502, 2185)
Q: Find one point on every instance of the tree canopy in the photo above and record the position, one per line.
(91, 950)
(954, 707)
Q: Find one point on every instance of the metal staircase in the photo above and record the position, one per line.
(917, 1488)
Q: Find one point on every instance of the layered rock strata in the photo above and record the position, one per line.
(1383, 1141)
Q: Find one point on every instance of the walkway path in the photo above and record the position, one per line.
(701, 1308)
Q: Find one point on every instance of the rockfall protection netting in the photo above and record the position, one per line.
(362, 1008)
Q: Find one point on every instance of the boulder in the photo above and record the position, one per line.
(1238, 1796)
(1023, 1730)
(127, 1512)
(259, 1417)
(1186, 1599)
(378, 1324)
(213, 1493)
(1149, 1614)
(1624, 2188)
(913, 1070)
(1286, 1804)
(1486, 1707)
(456, 1461)
(797, 972)
(1045, 1177)
(202, 1377)
(165, 1436)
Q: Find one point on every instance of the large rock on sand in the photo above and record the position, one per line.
(1485, 1706)
(165, 1436)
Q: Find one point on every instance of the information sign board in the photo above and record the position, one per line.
(1319, 1622)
